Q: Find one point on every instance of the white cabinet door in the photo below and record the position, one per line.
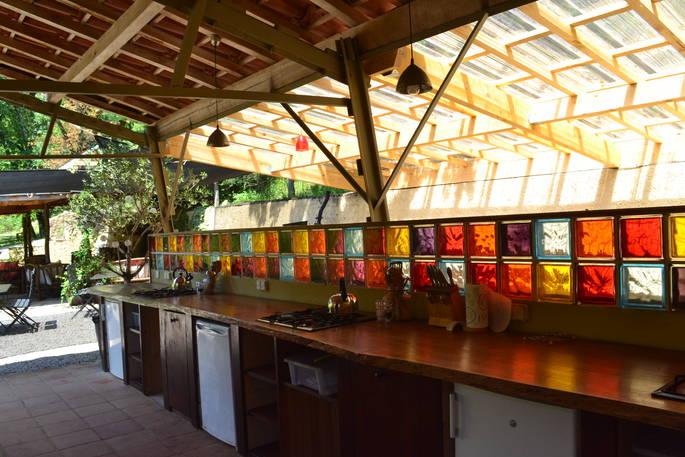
(115, 357)
(494, 425)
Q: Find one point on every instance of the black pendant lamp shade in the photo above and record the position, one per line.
(413, 79)
(218, 138)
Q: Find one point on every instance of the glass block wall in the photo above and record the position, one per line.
(612, 259)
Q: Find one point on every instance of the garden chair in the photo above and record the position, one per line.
(17, 307)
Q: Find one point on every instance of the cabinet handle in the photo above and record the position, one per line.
(377, 374)
(174, 319)
(454, 415)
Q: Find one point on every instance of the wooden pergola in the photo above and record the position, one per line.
(600, 80)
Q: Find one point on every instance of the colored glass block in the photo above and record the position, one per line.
(159, 261)
(553, 238)
(355, 273)
(197, 243)
(517, 280)
(484, 273)
(215, 260)
(641, 237)
(248, 267)
(235, 242)
(354, 241)
(335, 241)
(374, 241)
(187, 243)
(397, 241)
(419, 275)
(189, 263)
(226, 265)
(225, 242)
(336, 270)
(458, 270)
(199, 264)
(236, 266)
(406, 269)
(301, 242)
(423, 240)
(554, 282)
(272, 242)
(273, 267)
(258, 242)
(642, 286)
(482, 242)
(596, 284)
(679, 286)
(165, 244)
(317, 269)
(205, 243)
(451, 240)
(317, 242)
(215, 243)
(375, 273)
(172, 244)
(517, 239)
(287, 268)
(260, 267)
(181, 261)
(180, 243)
(156, 244)
(678, 236)
(302, 273)
(595, 238)
(285, 241)
(246, 242)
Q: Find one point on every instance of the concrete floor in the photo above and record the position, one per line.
(80, 411)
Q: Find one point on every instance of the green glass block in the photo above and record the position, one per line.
(215, 243)
(317, 267)
(235, 242)
(188, 243)
(165, 245)
(285, 241)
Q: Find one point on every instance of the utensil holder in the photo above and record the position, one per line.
(445, 306)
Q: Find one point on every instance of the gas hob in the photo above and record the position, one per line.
(311, 320)
(164, 292)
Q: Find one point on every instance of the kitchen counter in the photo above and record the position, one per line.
(604, 378)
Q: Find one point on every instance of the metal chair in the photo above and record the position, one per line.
(18, 307)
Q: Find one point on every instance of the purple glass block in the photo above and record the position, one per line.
(355, 273)
(517, 239)
(679, 287)
(424, 241)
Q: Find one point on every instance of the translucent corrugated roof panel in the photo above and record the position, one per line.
(340, 136)
(533, 89)
(619, 30)
(510, 138)
(534, 147)
(315, 91)
(668, 130)
(441, 114)
(275, 133)
(599, 123)
(547, 51)
(510, 25)
(572, 8)
(262, 115)
(444, 47)
(473, 144)
(673, 11)
(650, 115)
(587, 77)
(237, 122)
(439, 149)
(622, 135)
(490, 68)
(326, 116)
(662, 60)
(290, 124)
(400, 120)
(388, 96)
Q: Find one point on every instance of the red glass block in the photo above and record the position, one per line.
(225, 242)
(248, 267)
(302, 269)
(355, 273)
(317, 241)
(336, 270)
(484, 273)
(180, 243)
(260, 267)
(273, 267)
(374, 241)
(205, 243)
(419, 275)
(236, 266)
(301, 144)
(272, 242)
(595, 238)
(641, 237)
(482, 240)
(596, 284)
(517, 280)
(375, 274)
(451, 240)
(335, 241)
(167, 262)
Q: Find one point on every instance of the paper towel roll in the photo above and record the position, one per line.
(476, 307)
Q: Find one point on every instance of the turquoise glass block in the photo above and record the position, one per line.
(406, 269)
(553, 239)
(159, 261)
(354, 242)
(246, 242)
(643, 286)
(458, 269)
(287, 268)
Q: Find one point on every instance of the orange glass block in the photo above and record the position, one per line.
(302, 273)
(517, 280)
(374, 241)
(678, 236)
(397, 241)
(641, 237)
(260, 267)
(172, 244)
(375, 274)
(554, 282)
(451, 240)
(248, 267)
(271, 242)
(197, 243)
(180, 244)
(301, 242)
(159, 244)
(225, 242)
(199, 264)
(419, 275)
(482, 242)
(226, 265)
(595, 238)
(317, 241)
(205, 243)
(484, 273)
(236, 266)
(336, 270)
(258, 242)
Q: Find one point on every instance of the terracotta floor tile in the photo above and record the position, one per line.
(214, 450)
(94, 449)
(12, 437)
(86, 400)
(67, 426)
(53, 418)
(48, 408)
(74, 439)
(137, 439)
(92, 410)
(189, 441)
(29, 449)
(153, 449)
(42, 400)
(114, 429)
(106, 418)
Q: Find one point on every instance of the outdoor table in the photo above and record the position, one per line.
(4, 288)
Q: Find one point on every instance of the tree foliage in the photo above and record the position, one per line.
(255, 187)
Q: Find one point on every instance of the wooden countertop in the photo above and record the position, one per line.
(604, 378)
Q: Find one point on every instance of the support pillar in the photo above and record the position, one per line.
(46, 228)
(358, 83)
(160, 180)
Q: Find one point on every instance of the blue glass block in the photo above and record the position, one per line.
(354, 241)
(553, 239)
(458, 272)
(643, 286)
(246, 242)
(287, 267)
(159, 261)
(406, 269)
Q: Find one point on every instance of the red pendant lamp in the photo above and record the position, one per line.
(301, 144)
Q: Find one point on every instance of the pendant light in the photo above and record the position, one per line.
(413, 79)
(301, 144)
(217, 139)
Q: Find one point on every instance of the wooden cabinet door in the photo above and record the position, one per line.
(387, 413)
(176, 362)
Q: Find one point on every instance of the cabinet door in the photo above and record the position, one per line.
(494, 425)
(176, 361)
(309, 424)
(115, 346)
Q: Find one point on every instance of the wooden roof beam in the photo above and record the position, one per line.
(649, 12)
(189, 39)
(343, 11)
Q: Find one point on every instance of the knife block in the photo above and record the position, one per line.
(445, 306)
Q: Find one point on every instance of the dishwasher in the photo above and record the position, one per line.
(215, 382)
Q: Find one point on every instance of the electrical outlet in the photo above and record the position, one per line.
(261, 284)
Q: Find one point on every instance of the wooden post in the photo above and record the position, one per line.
(358, 83)
(46, 229)
(160, 180)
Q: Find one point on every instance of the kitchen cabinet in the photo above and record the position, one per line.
(142, 348)
(486, 424)
(387, 413)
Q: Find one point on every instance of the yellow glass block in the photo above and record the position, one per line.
(301, 242)
(190, 265)
(397, 241)
(226, 265)
(258, 242)
(554, 282)
(172, 244)
(678, 237)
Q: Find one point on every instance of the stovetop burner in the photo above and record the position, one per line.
(313, 319)
(164, 292)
